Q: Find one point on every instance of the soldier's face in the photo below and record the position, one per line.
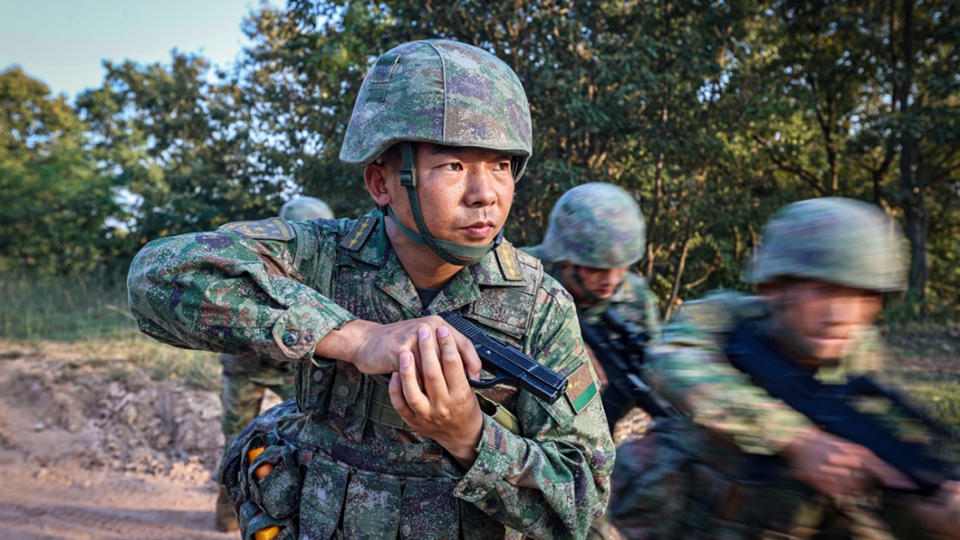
(822, 317)
(465, 193)
(602, 282)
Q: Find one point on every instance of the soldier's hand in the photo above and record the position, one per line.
(433, 396)
(837, 467)
(940, 514)
(375, 348)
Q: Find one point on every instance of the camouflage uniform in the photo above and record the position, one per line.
(720, 472)
(600, 226)
(246, 377)
(345, 463)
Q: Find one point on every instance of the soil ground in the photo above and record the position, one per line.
(92, 449)
(88, 454)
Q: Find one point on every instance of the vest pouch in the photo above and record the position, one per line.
(372, 507)
(252, 519)
(322, 498)
(429, 510)
(278, 493)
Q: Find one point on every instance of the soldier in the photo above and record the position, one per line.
(594, 236)
(443, 131)
(246, 377)
(743, 464)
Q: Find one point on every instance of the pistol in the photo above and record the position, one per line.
(508, 365)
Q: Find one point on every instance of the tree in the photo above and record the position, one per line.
(182, 147)
(55, 206)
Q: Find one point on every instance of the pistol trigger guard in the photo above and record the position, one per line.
(489, 384)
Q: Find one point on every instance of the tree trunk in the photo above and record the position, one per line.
(912, 184)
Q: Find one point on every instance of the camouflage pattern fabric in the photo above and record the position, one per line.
(634, 302)
(685, 479)
(305, 209)
(441, 92)
(832, 239)
(344, 461)
(597, 225)
(246, 378)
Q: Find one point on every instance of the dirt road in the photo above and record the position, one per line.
(92, 456)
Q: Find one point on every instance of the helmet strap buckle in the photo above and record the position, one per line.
(408, 168)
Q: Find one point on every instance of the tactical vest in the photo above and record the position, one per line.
(331, 474)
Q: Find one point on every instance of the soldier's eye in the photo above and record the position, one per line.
(503, 166)
(453, 166)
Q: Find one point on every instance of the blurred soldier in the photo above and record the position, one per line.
(743, 464)
(594, 236)
(246, 377)
(443, 130)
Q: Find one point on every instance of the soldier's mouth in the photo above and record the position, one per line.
(479, 230)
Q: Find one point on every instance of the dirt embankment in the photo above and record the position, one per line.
(90, 453)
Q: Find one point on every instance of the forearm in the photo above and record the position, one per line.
(231, 301)
(724, 401)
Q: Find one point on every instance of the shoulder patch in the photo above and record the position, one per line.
(509, 266)
(267, 229)
(580, 388)
(358, 234)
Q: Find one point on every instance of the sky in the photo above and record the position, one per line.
(62, 42)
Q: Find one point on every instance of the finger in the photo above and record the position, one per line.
(415, 398)
(397, 399)
(453, 367)
(468, 355)
(433, 376)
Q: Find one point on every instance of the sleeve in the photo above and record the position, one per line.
(227, 292)
(553, 481)
(722, 399)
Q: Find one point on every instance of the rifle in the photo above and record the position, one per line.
(619, 347)
(832, 407)
(508, 365)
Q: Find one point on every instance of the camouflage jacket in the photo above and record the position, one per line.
(275, 288)
(691, 370)
(694, 477)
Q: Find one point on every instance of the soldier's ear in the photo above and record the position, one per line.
(377, 177)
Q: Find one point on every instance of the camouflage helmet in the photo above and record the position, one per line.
(441, 92)
(304, 209)
(597, 225)
(835, 240)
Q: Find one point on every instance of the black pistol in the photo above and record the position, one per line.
(508, 365)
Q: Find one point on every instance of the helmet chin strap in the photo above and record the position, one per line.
(451, 252)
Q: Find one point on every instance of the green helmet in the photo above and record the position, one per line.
(441, 92)
(597, 225)
(304, 209)
(835, 240)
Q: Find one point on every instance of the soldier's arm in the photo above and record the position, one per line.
(697, 378)
(553, 481)
(228, 292)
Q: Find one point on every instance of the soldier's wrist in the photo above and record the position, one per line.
(343, 343)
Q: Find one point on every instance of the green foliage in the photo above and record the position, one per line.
(182, 147)
(713, 113)
(55, 204)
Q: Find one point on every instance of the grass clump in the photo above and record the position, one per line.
(85, 322)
